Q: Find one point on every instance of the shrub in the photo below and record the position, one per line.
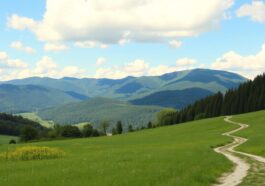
(70, 131)
(12, 141)
(32, 153)
(119, 128)
(114, 131)
(28, 133)
(88, 130)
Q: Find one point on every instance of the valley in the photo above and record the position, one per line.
(166, 156)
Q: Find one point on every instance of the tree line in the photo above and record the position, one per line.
(248, 97)
(12, 125)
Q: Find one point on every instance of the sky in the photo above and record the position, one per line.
(119, 38)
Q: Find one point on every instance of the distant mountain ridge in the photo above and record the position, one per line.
(96, 110)
(28, 98)
(139, 90)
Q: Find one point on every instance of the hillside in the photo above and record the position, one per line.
(5, 139)
(134, 88)
(11, 125)
(175, 155)
(99, 109)
(248, 97)
(173, 98)
(24, 98)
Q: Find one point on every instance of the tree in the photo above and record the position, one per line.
(28, 133)
(87, 130)
(69, 131)
(12, 141)
(95, 133)
(164, 116)
(119, 127)
(150, 125)
(55, 132)
(104, 126)
(130, 128)
(114, 131)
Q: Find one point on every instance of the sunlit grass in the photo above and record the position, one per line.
(255, 133)
(32, 153)
(5, 139)
(174, 155)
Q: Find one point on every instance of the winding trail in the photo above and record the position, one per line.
(241, 167)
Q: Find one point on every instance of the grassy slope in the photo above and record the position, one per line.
(176, 155)
(5, 139)
(98, 109)
(34, 117)
(255, 133)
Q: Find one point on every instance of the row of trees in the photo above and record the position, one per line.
(248, 97)
(11, 125)
(31, 132)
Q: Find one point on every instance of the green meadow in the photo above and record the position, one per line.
(34, 117)
(175, 155)
(5, 139)
(255, 133)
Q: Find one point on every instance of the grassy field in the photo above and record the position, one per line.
(255, 133)
(5, 139)
(34, 117)
(176, 155)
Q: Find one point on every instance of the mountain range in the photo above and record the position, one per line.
(25, 98)
(101, 109)
(135, 88)
(91, 99)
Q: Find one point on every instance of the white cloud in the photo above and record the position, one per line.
(122, 21)
(22, 23)
(55, 47)
(3, 56)
(136, 68)
(249, 66)
(175, 44)
(7, 63)
(255, 10)
(100, 61)
(19, 46)
(90, 44)
(140, 68)
(161, 69)
(45, 67)
(186, 62)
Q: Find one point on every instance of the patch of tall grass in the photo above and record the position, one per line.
(32, 153)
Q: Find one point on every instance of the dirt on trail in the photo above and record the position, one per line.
(241, 166)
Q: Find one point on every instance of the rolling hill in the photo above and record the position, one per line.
(11, 125)
(173, 98)
(175, 155)
(135, 88)
(24, 98)
(99, 109)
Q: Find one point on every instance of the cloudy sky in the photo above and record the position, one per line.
(114, 39)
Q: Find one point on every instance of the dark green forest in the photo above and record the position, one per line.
(248, 97)
(12, 125)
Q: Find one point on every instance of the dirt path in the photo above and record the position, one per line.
(241, 167)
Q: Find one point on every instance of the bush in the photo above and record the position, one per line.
(28, 133)
(164, 117)
(88, 130)
(12, 141)
(32, 153)
(150, 125)
(70, 131)
(114, 131)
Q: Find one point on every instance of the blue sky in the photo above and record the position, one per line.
(230, 39)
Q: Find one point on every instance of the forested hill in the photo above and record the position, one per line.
(248, 97)
(11, 125)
